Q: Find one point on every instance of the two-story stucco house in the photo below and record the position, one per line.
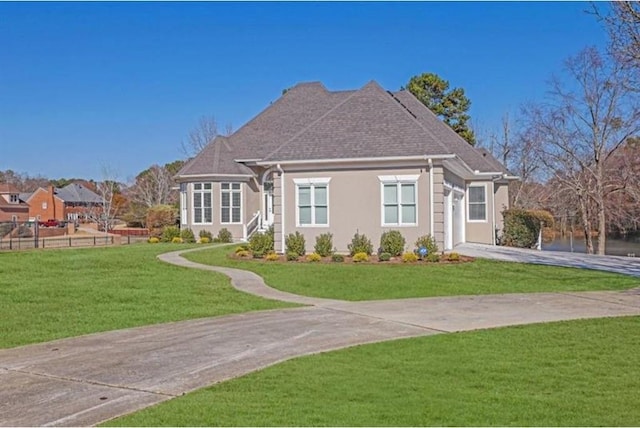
(365, 161)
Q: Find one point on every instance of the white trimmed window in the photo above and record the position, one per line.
(312, 201)
(399, 200)
(13, 199)
(231, 203)
(202, 203)
(477, 203)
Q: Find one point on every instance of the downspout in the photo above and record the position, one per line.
(282, 206)
(431, 192)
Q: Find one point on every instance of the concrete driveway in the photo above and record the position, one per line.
(89, 379)
(617, 264)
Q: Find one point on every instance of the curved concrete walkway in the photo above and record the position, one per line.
(89, 379)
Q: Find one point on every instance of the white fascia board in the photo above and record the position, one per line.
(359, 160)
(191, 177)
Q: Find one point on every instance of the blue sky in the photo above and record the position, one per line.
(89, 86)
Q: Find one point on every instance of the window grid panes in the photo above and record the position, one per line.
(231, 203)
(399, 203)
(477, 203)
(202, 203)
(313, 205)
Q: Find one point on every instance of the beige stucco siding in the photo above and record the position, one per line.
(497, 199)
(501, 197)
(354, 205)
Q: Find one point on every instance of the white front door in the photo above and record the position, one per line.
(267, 215)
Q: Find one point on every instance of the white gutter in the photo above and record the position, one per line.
(347, 160)
(431, 193)
(189, 177)
(282, 206)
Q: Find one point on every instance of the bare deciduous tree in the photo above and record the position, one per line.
(202, 134)
(153, 187)
(623, 26)
(588, 117)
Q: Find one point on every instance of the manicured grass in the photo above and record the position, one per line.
(577, 373)
(394, 281)
(50, 294)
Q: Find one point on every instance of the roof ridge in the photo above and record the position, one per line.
(415, 119)
(303, 130)
(279, 100)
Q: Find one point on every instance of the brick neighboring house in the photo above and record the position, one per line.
(12, 208)
(365, 160)
(74, 202)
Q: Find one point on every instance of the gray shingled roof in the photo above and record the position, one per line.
(77, 193)
(310, 123)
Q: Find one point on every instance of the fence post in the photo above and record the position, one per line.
(69, 241)
(94, 240)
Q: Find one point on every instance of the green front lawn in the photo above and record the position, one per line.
(396, 281)
(577, 373)
(51, 294)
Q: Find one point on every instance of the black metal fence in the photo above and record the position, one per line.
(13, 239)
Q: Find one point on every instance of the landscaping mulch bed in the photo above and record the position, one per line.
(373, 259)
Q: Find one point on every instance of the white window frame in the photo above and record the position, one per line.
(200, 193)
(312, 183)
(231, 191)
(14, 199)
(399, 180)
(184, 209)
(469, 203)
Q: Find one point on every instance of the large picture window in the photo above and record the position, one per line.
(202, 203)
(399, 197)
(312, 200)
(477, 203)
(231, 203)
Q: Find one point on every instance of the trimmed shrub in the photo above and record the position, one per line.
(324, 244)
(261, 242)
(242, 253)
(169, 233)
(433, 257)
(453, 257)
(428, 242)
(205, 234)
(314, 257)
(522, 227)
(153, 240)
(384, 257)
(243, 247)
(204, 240)
(187, 236)
(409, 258)
(224, 236)
(272, 257)
(360, 257)
(177, 240)
(360, 244)
(392, 242)
(292, 257)
(295, 243)
(337, 258)
(258, 254)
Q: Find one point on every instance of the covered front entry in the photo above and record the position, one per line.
(267, 204)
(453, 218)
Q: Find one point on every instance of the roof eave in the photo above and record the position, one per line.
(355, 160)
